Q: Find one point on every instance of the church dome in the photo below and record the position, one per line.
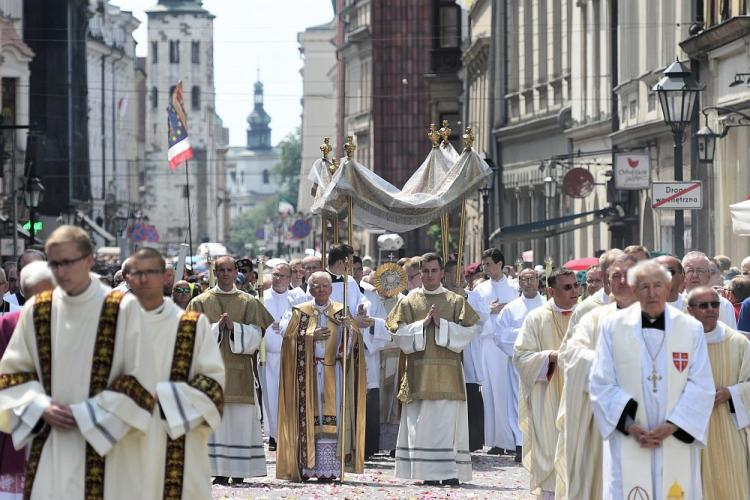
(258, 131)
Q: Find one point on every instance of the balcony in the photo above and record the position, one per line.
(445, 60)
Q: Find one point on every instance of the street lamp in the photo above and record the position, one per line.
(32, 196)
(677, 92)
(706, 144)
(485, 191)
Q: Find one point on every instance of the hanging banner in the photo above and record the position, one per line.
(632, 171)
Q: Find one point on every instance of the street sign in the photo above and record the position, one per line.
(632, 170)
(676, 195)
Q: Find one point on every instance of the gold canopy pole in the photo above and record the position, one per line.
(343, 372)
(468, 143)
(325, 149)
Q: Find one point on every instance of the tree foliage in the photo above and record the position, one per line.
(245, 225)
(286, 170)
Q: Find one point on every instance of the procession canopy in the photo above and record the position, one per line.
(442, 182)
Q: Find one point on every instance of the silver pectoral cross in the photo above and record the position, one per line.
(654, 377)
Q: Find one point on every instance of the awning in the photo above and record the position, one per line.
(97, 228)
(552, 227)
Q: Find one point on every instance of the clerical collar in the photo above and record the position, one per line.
(218, 290)
(716, 335)
(493, 280)
(556, 308)
(436, 291)
(159, 309)
(535, 297)
(321, 308)
(654, 324)
(336, 278)
(274, 292)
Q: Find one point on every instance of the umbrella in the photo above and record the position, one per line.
(582, 263)
(741, 218)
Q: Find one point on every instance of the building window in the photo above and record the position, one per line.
(174, 51)
(154, 52)
(154, 98)
(195, 98)
(265, 176)
(195, 52)
(449, 27)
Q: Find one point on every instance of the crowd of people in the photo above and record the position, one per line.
(628, 378)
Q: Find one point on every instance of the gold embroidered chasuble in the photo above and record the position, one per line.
(539, 396)
(725, 465)
(244, 309)
(436, 372)
(95, 363)
(299, 422)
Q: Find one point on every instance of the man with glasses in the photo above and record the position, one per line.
(28, 256)
(413, 274)
(312, 264)
(189, 391)
(579, 446)
(672, 264)
(238, 321)
(509, 323)
(77, 382)
(298, 273)
(535, 357)
(594, 280)
(278, 300)
(724, 462)
(698, 273)
(495, 293)
(182, 292)
(652, 393)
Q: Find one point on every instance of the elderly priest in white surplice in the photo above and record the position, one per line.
(652, 393)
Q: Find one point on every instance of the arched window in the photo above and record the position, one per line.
(265, 176)
(195, 97)
(154, 98)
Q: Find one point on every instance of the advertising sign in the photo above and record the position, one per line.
(632, 171)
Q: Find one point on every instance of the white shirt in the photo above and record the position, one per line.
(510, 320)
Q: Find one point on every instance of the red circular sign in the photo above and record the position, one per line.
(578, 183)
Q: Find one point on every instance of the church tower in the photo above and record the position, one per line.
(258, 131)
(180, 48)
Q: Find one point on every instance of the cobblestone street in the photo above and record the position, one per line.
(493, 477)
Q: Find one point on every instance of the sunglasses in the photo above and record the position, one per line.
(570, 286)
(706, 305)
(180, 289)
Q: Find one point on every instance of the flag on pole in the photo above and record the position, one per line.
(179, 145)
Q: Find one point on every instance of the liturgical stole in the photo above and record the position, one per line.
(635, 462)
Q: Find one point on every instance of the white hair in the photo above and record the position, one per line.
(695, 255)
(34, 273)
(745, 262)
(699, 290)
(320, 275)
(648, 267)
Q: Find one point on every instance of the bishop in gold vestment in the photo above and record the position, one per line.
(236, 448)
(314, 433)
(432, 326)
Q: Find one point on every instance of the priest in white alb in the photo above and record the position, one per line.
(724, 461)
(599, 298)
(76, 382)
(697, 273)
(579, 445)
(509, 323)
(189, 389)
(535, 356)
(652, 393)
(432, 326)
(496, 293)
(278, 300)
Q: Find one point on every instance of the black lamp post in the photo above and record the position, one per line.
(32, 196)
(677, 92)
(485, 192)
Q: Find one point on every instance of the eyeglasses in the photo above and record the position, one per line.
(146, 273)
(691, 270)
(280, 276)
(180, 289)
(705, 305)
(298, 271)
(570, 286)
(63, 264)
(526, 280)
(12, 280)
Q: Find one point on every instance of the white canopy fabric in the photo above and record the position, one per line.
(442, 181)
(741, 218)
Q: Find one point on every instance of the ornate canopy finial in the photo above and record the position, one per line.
(445, 132)
(468, 139)
(333, 166)
(326, 147)
(349, 147)
(434, 136)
